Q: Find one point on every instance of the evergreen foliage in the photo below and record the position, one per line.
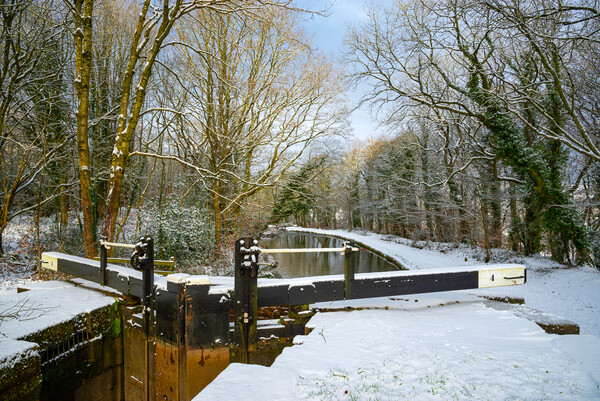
(181, 231)
(296, 199)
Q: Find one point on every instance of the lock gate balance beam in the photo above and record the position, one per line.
(309, 290)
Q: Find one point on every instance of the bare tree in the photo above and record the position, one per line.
(256, 97)
(82, 11)
(33, 133)
(150, 35)
(473, 60)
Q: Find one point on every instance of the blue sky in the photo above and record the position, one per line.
(329, 31)
(329, 35)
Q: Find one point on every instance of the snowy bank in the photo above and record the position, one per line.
(429, 347)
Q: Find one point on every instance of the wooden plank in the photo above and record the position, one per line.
(310, 289)
(118, 281)
(329, 290)
(123, 279)
(301, 294)
(418, 284)
(317, 289)
(273, 295)
(73, 265)
(167, 316)
(170, 344)
(278, 294)
(206, 317)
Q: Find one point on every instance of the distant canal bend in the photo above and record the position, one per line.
(318, 264)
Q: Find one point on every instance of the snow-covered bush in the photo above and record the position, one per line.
(595, 248)
(180, 231)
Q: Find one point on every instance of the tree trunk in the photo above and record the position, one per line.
(495, 208)
(486, 242)
(3, 222)
(83, 63)
(514, 215)
(64, 212)
(218, 220)
(128, 119)
(531, 229)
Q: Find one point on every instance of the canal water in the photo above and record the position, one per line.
(319, 264)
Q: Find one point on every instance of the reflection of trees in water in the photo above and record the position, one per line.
(317, 264)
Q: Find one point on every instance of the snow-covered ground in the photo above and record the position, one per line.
(424, 347)
(446, 346)
(48, 304)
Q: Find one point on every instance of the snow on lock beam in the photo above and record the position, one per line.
(123, 279)
(309, 290)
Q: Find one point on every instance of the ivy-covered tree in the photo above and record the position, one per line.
(509, 70)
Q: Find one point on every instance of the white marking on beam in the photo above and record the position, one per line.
(177, 278)
(500, 277)
(49, 262)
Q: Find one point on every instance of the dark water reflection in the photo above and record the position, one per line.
(318, 264)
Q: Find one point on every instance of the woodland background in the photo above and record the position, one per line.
(201, 121)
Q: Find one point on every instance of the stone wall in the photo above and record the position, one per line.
(79, 359)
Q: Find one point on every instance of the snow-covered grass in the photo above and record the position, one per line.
(443, 347)
(446, 346)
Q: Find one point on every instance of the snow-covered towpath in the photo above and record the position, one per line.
(573, 293)
(438, 346)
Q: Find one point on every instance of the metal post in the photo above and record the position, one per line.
(143, 259)
(246, 296)
(148, 272)
(148, 280)
(349, 266)
(103, 260)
